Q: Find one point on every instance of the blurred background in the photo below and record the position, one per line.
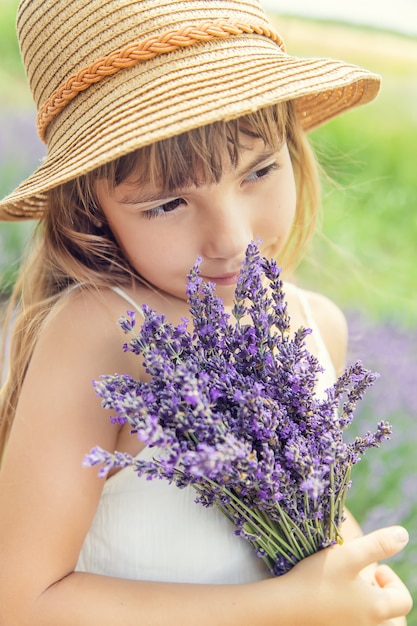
(365, 255)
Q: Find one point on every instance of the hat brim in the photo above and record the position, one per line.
(173, 94)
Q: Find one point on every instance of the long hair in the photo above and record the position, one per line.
(72, 243)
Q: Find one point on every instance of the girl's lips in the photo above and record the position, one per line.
(225, 279)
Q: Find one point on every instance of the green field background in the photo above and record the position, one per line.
(364, 256)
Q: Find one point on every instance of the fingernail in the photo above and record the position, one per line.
(401, 534)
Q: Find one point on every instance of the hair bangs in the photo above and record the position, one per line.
(199, 156)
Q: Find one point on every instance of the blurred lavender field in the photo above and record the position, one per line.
(384, 484)
(20, 147)
(21, 151)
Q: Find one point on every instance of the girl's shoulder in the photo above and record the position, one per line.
(321, 313)
(325, 309)
(73, 312)
(86, 307)
(79, 342)
(85, 320)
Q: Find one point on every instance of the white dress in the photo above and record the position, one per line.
(151, 530)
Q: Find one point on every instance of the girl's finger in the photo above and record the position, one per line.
(375, 546)
(399, 598)
(385, 576)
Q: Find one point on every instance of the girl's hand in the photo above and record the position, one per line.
(332, 585)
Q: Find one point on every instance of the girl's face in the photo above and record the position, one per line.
(163, 236)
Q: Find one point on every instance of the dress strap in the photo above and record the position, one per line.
(328, 376)
(307, 312)
(130, 300)
(322, 349)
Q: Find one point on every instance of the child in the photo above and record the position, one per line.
(175, 129)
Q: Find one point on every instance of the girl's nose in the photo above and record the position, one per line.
(227, 231)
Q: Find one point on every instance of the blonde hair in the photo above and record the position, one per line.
(73, 244)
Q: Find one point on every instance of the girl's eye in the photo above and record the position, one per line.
(261, 173)
(163, 209)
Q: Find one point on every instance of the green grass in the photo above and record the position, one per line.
(366, 257)
(9, 49)
(13, 88)
(367, 252)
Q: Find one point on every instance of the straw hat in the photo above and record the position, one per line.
(111, 76)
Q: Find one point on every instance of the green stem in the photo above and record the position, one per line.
(257, 523)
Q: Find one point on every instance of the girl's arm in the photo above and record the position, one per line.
(47, 503)
(323, 590)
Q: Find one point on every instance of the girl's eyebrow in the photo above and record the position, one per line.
(142, 196)
(145, 196)
(265, 155)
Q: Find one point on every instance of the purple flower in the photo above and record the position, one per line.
(231, 409)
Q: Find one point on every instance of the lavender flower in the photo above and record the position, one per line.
(231, 410)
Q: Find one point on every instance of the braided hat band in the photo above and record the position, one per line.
(111, 76)
(136, 52)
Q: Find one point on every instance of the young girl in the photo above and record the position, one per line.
(175, 129)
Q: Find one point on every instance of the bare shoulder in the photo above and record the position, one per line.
(333, 327)
(79, 342)
(85, 321)
(87, 309)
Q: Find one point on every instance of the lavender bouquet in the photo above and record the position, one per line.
(231, 410)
